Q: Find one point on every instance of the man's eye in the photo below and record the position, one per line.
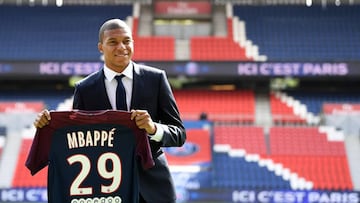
(127, 42)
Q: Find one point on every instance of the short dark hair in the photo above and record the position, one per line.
(112, 24)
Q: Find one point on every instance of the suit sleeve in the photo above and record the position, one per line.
(169, 116)
(77, 99)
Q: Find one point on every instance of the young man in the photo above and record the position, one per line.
(148, 97)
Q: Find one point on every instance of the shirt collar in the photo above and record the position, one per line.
(110, 74)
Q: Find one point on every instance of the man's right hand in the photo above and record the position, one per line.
(42, 119)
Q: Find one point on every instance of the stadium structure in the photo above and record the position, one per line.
(268, 90)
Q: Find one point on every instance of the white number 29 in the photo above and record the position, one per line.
(114, 173)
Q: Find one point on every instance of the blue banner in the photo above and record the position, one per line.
(271, 196)
(185, 194)
(191, 68)
(23, 195)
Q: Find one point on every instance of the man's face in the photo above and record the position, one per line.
(118, 47)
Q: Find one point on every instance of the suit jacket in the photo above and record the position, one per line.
(151, 92)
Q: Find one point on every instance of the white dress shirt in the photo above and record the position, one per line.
(111, 84)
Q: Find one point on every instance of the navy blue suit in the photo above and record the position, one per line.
(151, 92)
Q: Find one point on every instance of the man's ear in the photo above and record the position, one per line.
(100, 47)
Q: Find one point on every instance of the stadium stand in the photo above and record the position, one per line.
(313, 155)
(282, 112)
(228, 106)
(152, 48)
(218, 48)
(53, 33)
(41, 98)
(276, 36)
(22, 177)
(314, 100)
(2, 138)
(242, 173)
(294, 157)
(303, 141)
(248, 138)
(299, 33)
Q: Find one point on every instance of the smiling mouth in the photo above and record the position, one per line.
(122, 55)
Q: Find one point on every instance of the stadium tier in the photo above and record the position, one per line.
(162, 48)
(30, 100)
(320, 170)
(293, 157)
(218, 48)
(282, 112)
(2, 138)
(22, 176)
(218, 105)
(303, 141)
(153, 48)
(314, 100)
(54, 33)
(313, 155)
(298, 33)
(250, 139)
(240, 173)
(280, 33)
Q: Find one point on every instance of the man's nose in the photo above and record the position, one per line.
(121, 45)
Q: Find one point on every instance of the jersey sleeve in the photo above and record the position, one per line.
(38, 155)
(144, 151)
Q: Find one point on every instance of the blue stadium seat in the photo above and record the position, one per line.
(51, 99)
(54, 33)
(296, 33)
(315, 100)
(238, 173)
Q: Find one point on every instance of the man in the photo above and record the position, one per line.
(148, 97)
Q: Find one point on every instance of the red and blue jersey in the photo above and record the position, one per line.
(92, 156)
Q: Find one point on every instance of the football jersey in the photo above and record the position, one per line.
(92, 156)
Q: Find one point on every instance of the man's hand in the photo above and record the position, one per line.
(143, 121)
(42, 119)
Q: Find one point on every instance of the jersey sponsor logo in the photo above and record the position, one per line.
(115, 199)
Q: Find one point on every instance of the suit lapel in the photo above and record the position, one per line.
(102, 91)
(138, 85)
